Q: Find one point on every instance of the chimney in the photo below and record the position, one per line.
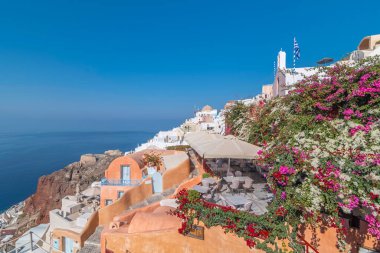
(281, 60)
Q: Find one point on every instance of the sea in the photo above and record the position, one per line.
(24, 157)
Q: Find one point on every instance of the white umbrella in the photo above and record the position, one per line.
(227, 147)
(197, 138)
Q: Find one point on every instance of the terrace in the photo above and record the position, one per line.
(233, 179)
(246, 191)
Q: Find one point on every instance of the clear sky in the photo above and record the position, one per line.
(120, 65)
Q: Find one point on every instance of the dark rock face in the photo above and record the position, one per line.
(52, 188)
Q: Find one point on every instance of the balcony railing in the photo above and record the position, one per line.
(308, 247)
(120, 182)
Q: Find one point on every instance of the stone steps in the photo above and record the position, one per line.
(153, 199)
(92, 244)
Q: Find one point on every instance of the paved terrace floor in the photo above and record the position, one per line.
(260, 196)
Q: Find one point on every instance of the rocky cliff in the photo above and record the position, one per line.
(52, 188)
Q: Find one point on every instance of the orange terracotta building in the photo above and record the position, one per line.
(126, 172)
(152, 229)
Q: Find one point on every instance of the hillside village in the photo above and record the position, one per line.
(223, 181)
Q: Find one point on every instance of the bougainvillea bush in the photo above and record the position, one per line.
(321, 145)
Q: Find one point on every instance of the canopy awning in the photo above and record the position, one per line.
(198, 138)
(218, 146)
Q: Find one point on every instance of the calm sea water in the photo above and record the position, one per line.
(26, 157)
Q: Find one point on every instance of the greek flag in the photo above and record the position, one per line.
(297, 52)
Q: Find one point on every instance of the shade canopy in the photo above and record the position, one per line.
(198, 138)
(218, 146)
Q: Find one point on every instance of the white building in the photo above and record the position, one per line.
(34, 237)
(285, 77)
(208, 119)
(164, 139)
(204, 120)
(76, 210)
(368, 46)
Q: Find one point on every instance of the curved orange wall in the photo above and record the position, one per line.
(167, 241)
(176, 175)
(114, 169)
(327, 238)
(132, 196)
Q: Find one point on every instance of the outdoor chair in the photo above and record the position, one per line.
(205, 183)
(248, 185)
(211, 195)
(235, 185)
(247, 207)
(219, 185)
(216, 198)
(222, 202)
(238, 174)
(207, 197)
(230, 174)
(270, 196)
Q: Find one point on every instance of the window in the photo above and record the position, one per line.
(120, 194)
(354, 222)
(125, 173)
(108, 202)
(56, 243)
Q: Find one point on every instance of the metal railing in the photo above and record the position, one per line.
(120, 182)
(308, 247)
(31, 245)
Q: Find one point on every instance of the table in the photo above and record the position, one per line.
(210, 180)
(241, 179)
(201, 189)
(258, 207)
(236, 200)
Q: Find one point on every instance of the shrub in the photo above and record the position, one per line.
(321, 146)
(206, 175)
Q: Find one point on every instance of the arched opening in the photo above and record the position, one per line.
(364, 44)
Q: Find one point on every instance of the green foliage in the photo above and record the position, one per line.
(152, 159)
(206, 175)
(321, 146)
(194, 195)
(179, 147)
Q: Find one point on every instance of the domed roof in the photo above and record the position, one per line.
(207, 108)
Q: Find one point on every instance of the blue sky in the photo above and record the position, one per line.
(120, 65)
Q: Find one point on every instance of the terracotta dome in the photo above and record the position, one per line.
(207, 108)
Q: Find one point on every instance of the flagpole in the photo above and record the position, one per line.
(294, 55)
